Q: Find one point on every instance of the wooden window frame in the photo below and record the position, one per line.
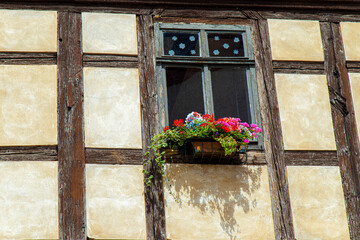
(204, 61)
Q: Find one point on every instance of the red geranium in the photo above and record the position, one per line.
(166, 128)
(178, 123)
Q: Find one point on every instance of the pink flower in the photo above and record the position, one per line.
(253, 125)
(246, 140)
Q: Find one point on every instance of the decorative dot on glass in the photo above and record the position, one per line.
(174, 38)
(192, 38)
(216, 38)
(171, 53)
(193, 52)
(182, 45)
(216, 52)
(226, 46)
(236, 51)
(236, 39)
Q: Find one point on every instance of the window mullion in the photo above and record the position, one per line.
(207, 88)
(162, 96)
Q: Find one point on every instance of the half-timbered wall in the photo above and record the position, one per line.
(79, 105)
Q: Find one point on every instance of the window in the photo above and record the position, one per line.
(208, 69)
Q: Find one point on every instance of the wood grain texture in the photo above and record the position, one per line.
(30, 153)
(154, 195)
(311, 158)
(342, 110)
(270, 118)
(298, 67)
(102, 60)
(114, 156)
(72, 220)
(16, 58)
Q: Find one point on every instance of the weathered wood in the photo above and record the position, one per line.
(272, 134)
(72, 220)
(154, 195)
(114, 156)
(15, 58)
(204, 20)
(298, 67)
(311, 158)
(320, 15)
(118, 61)
(347, 141)
(31, 153)
(353, 66)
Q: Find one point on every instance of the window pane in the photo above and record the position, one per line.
(181, 44)
(226, 45)
(229, 86)
(184, 90)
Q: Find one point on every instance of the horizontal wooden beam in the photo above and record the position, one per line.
(114, 156)
(27, 58)
(102, 60)
(29, 153)
(298, 67)
(353, 66)
(311, 158)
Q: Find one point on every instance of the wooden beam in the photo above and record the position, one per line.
(298, 67)
(102, 60)
(72, 220)
(154, 195)
(30, 153)
(27, 58)
(343, 116)
(311, 158)
(114, 156)
(270, 119)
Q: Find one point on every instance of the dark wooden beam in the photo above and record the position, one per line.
(102, 60)
(298, 67)
(353, 66)
(154, 195)
(311, 158)
(114, 156)
(343, 116)
(72, 220)
(273, 143)
(27, 58)
(29, 153)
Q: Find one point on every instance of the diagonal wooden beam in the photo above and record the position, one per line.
(273, 142)
(343, 116)
(71, 152)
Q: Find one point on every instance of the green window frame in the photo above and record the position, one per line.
(204, 61)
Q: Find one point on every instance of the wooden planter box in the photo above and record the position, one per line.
(204, 151)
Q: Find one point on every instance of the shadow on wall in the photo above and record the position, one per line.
(216, 189)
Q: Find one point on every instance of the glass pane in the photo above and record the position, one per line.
(181, 44)
(226, 45)
(230, 93)
(184, 90)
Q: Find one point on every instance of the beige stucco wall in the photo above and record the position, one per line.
(218, 202)
(112, 108)
(297, 40)
(115, 205)
(355, 91)
(305, 112)
(317, 203)
(350, 32)
(28, 200)
(28, 105)
(109, 33)
(28, 31)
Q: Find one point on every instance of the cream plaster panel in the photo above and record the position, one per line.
(317, 203)
(305, 112)
(218, 202)
(112, 108)
(295, 40)
(28, 31)
(351, 34)
(109, 33)
(28, 200)
(115, 205)
(28, 105)
(355, 91)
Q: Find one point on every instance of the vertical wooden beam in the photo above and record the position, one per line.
(154, 195)
(71, 152)
(343, 115)
(273, 141)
